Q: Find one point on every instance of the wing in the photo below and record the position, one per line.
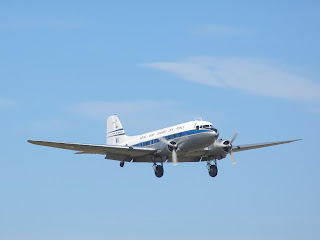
(259, 145)
(116, 152)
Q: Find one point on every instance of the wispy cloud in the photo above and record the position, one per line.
(255, 76)
(215, 30)
(147, 115)
(38, 22)
(5, 103)
(47, 125)
(316, 110)
(102, 109)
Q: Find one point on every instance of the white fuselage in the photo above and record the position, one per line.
(188, 136)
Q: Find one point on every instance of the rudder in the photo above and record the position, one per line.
(115, 132)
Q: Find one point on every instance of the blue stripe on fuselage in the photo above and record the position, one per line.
(186, 133)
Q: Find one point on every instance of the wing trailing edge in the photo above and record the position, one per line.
(98, 149)
(240, 148)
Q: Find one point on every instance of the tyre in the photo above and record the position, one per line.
(159, 171)
(213, 171)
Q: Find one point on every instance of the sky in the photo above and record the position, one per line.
(247, 66)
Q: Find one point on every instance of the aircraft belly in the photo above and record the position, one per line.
(119, 157)
(142, 159)
(186, 159)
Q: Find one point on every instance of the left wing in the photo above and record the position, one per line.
(132, 152)
(259, 145)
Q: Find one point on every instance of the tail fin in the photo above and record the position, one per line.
(115, 133)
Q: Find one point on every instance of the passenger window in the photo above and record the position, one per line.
(148, 143)
(180, 134)
(197, 127)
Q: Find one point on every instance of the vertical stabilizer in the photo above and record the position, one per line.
(115, 133)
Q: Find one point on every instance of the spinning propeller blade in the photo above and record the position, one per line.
(174, 157)
(234, 136)
(233, 160)
(174, 150)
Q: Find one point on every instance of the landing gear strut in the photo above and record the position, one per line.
(121, 163)
(158, 170)
(212, 168)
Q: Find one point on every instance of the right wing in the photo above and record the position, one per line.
(115, 152)
(259, 145)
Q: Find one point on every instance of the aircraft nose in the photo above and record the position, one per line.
(215, 134)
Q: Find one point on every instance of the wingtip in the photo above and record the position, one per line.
(31, 141)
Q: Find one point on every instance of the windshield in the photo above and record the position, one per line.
(206, 127)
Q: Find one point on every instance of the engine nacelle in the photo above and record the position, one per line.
(219, 149)
(165, 149)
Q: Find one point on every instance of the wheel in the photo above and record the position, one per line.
(121, 164)
(158, 171)
(213, 171)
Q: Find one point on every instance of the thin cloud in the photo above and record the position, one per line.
(39, 22)
(255, 76)
(47, 125)
(143, 115)
(102, 109)
(218, 30)
(5, 103)
(316, 110)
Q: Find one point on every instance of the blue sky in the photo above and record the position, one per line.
(250, 66)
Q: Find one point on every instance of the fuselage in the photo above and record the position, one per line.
(188, 136)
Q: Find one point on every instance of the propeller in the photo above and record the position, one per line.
(174, 157)
(173, 148)
(234, 136)
(233, 160)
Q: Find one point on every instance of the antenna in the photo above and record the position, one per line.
(198, 118)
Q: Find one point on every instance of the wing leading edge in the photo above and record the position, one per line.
(260, 145)
(98, 149)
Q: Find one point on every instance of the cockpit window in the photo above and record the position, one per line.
(206, 127)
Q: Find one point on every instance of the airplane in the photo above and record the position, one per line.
(194, 141)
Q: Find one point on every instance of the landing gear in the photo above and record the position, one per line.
(213, 171)
(121, 163)
(212, 168)
(158, 170)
